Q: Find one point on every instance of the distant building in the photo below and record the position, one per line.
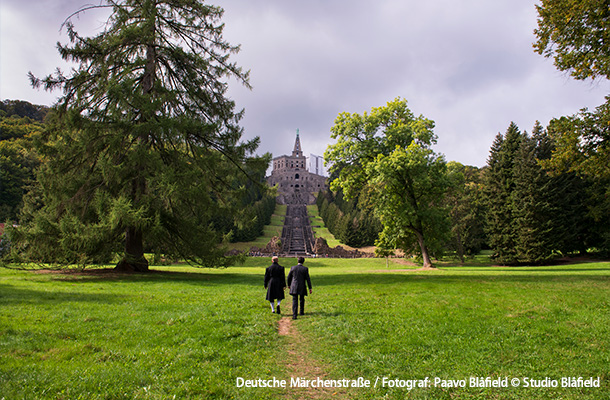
(295, 182)
(316, 165)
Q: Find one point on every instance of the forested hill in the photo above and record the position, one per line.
(22, 108)
(20, 121)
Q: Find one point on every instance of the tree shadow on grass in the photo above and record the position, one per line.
(15, 295)
(152, 276)
(441, 276)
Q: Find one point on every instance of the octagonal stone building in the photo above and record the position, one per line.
(295, 183)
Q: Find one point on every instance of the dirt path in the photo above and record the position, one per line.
(300, 365)
(285, 327)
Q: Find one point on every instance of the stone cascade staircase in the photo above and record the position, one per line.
(297, 235)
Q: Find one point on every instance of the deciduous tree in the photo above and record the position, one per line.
(466, 210)
(582, 142)
(576, 33)
(390, 150)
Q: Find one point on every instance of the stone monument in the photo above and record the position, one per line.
(295, 184)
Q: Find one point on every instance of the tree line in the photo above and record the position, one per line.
(144, 152)
(521, 205)
(534, 214)
(540, 194)
(351, 222)
(20, 124)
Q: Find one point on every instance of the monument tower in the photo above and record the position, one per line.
(296, 185)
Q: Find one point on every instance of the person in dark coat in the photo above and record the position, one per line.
(298, 277)
(275, 283)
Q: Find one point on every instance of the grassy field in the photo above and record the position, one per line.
(186, 333)
(319, 229)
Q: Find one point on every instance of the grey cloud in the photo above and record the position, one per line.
(467, 65)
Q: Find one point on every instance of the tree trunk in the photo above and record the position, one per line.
(460, 247)
(134, 260)
(424, 250)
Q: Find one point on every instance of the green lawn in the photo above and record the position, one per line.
(319, 229)
(191, 333)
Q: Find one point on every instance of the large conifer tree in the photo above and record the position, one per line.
(532, 206)
(533, 215)
(145, 145)
(499, 184)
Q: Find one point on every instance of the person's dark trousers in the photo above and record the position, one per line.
(295, 304)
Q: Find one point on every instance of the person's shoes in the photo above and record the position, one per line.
(294, 317)
(302, 313)
(278, 310)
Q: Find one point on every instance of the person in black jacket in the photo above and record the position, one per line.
(297, 278)
(275, 283)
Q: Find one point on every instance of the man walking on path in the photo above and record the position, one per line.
(275, 283)
(297, 278)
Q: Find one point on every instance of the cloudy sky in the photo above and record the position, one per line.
(466, 64)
